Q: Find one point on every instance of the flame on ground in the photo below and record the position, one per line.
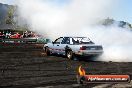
(81, 71)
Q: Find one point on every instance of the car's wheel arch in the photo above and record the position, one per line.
(67, 50)
(44, 48)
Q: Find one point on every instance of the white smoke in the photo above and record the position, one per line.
(116, 42)
(53, 18)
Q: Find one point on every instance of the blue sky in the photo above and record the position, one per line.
(122, 12)
(7, 1)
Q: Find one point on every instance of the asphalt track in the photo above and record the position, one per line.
(27, 66)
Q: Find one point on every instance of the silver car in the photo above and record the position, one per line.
(73, 46)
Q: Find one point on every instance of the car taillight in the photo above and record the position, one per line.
(83, 48)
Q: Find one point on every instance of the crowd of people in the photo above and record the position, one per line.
(17, 35)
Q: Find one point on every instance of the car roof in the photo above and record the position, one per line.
(72, 37)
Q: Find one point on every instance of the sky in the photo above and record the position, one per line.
(123, 10)
(7, 1)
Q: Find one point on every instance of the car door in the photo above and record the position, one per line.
(64, 43)
(60, 44)
(57, 47)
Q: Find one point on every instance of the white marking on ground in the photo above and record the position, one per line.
(45, 87)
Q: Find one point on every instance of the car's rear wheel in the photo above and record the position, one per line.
(47, 51)
(69, 54)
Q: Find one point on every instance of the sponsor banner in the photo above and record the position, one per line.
(106, 78)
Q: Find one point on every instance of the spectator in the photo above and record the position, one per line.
(3, 35)
(32, 34)
(7, 35)
(25, 34)
(18, 35)
(0, 35)
(29, 34)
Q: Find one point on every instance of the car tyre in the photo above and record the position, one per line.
(47, 51)
(69, 54)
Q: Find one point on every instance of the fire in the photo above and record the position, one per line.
(81, 71)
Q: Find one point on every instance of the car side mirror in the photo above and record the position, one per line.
(52, 42)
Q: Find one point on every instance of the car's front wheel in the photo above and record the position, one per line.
(47, 51)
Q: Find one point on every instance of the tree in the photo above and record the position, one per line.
(130, 25)
(10, 15)
(108, 22)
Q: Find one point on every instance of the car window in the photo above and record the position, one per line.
(81, 40)
(66, 40)
(58, 41)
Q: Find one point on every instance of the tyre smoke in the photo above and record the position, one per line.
(55, 18)
(116, 43)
